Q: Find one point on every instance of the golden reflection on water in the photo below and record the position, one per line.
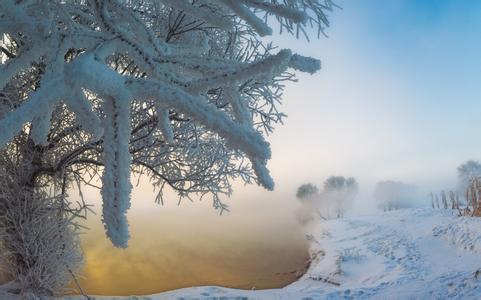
(171, 249)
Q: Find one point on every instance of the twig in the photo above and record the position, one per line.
(326, 280)
(78, 284)
(7, 53)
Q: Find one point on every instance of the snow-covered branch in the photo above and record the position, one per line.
(181, 90)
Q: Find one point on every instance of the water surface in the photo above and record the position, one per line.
(174, 247)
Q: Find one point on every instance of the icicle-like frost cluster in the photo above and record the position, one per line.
(76, 40)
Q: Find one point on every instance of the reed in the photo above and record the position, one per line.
(450, 200)
(473, 193)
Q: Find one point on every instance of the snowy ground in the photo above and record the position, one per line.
(405, 254)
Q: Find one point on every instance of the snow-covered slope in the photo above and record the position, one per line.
(405, 254)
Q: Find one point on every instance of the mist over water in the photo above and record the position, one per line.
(259, 244)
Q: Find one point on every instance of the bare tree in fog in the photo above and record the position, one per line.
(337, 195)
(309, 196)
(391, 195)
(307, 191)
(340, 191)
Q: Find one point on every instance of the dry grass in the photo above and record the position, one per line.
(450, 200)
(473, 198)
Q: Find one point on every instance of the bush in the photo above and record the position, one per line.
(39, 246)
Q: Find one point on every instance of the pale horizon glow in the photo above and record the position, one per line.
(397, 97)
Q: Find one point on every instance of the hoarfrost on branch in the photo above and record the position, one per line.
(182, 91)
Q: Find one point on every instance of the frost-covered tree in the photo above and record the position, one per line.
(466, 172)
(308, 211)
(306, 191)
(182, 91)
(340, 192)
(340, 183)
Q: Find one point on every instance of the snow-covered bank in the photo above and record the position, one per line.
(405, 254)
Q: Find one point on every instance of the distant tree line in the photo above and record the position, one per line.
(332, 201)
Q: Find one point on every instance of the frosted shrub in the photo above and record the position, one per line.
(38, 245)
